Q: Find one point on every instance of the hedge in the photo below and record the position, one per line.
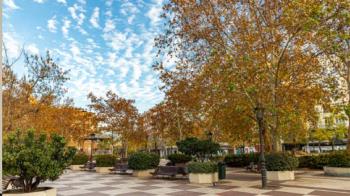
(334, 159)
(281, 162)
(80, 159)
(143, 161)
(105, 160)
(179, 158)
(202, 167)
(241, 160)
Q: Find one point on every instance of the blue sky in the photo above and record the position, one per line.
(106, 44)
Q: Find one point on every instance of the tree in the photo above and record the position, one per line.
(117, 115)
(257, 53)
(35, 159)
(25, 96)
(333, 39)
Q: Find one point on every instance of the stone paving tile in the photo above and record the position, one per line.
(328, 193)
(187, 193)
(239, 183)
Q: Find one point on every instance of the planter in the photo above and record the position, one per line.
(46, 192)
(337, 171)
(280, 175)
(203, 178)
(103, 170)
(75, 167)
(142, 173)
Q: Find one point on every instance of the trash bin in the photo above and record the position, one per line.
(222, 170)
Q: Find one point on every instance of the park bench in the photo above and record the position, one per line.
(170, 171)
(11, 182)
(253, 167)
(89, 166)
(120, 168)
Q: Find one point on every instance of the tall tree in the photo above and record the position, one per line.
(259, 50)
(117, 115)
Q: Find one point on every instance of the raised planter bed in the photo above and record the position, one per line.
(203, 178)
(75, 167)
(280, 175)
(142, 173)
(47, 191)
(103, 170)
(337, 171)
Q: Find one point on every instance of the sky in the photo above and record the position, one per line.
(106, 44)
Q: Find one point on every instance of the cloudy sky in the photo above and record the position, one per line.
(106, 44)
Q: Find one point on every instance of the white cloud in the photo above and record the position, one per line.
(154, 14)
(77, 13)
(62, 1)
(65, 27)
(109, 26)
(39, 1)
(51, 24)
(10, 4)
(12, 45)
(94, 17)
(32, 49)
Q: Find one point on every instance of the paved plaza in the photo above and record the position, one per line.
(238, 183)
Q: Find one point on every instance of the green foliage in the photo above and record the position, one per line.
(179, 158)
(105, 160)
(314, 161)
(281, 162)
(80, 159)
(202, 167)
(34, 158)
(339, 159)
(199, 148)
(143, 161)
(241, 160)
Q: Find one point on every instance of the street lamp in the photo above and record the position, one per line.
(92, 137)
(259, 111)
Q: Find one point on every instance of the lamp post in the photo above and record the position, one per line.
(92, 137)
(259, 111)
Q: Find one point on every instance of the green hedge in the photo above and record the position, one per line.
(334, 159)
(241, 160)
(143, 161)
(202, 167)
(105, 160)
(80, 159)
(281, 162)
(339, 159)
(179, 158)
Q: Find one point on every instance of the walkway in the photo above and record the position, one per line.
(239, 183)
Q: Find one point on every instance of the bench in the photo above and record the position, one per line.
(120, 168)
(11, 182)
(253, 167)
(88, 166)
(170, 171)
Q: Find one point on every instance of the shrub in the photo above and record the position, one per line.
(339, 159)
(143, 161)
(241, 160)
(105, 160)
(35, 159)
(314, 161)
(281, 162)
(179, 158)
(202, 167)
(80, 159)
(200, 148)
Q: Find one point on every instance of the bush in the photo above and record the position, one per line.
(241, 160)
(179, 158)
(105, 160)
(200, 148)
(314, 161)
(35, 159)
(202, 167)
(143, 161)
(281, 162)
(339, 159)
(80, 159)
